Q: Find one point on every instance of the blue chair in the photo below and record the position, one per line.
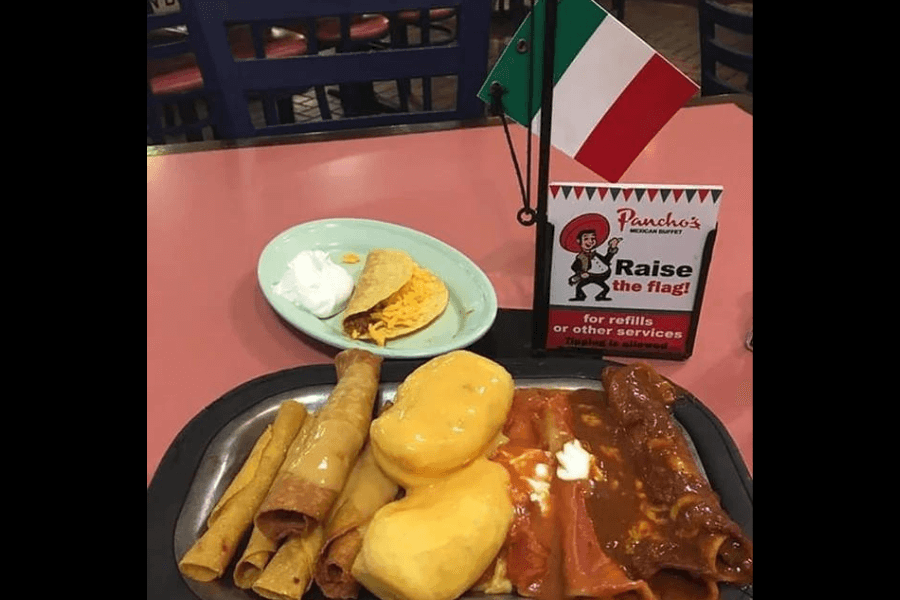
(425, 21)
(359, 33)
(237, 82)
(726, 37)
(175, 83)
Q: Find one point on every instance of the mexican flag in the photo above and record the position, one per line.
(612, 92)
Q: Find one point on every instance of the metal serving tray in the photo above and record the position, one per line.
(221, 454)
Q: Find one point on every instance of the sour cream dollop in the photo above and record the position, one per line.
(574, 462)
(314, 282)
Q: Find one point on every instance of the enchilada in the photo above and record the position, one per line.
(642, 522)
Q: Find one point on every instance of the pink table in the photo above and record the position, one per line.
(210, 214)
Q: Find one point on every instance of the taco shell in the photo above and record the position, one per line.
(393, 297)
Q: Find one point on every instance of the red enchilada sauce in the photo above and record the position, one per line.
(644, 525)
(532, 549)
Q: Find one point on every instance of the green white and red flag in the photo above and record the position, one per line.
(612, 92)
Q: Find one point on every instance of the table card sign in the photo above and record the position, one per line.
(627, 267)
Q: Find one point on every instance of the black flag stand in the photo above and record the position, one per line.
(528, 216)
(538, 215)
(544, 236)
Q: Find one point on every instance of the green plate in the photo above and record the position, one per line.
(469, 314)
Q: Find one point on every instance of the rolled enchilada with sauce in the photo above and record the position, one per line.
(679, 529)
(232, 516)
(610, 502)
(552, 550)
(308, 485)
(588, 571)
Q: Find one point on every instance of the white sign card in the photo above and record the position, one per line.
(628, 266)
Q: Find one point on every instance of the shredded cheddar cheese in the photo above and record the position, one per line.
(404, 306)
(679, 465)
(637, 532)
(653, 512)
(683, 502)
(611, 452)
(591, 420)
(657, 443)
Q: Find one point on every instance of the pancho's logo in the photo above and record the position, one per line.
(629, 217)
(583, 235)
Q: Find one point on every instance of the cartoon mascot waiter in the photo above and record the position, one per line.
(583, 235)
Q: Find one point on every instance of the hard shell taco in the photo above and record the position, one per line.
(393, 297)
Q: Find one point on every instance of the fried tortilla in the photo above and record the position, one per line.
(232, 516)
(393, 297)
(260, 549)
(256, 556)
(289, 574)
(310, 480)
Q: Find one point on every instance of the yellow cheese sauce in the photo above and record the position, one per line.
(447, 412)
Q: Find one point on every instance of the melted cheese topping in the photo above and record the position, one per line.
(403, 307)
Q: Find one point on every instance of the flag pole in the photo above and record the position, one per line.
(544, 234)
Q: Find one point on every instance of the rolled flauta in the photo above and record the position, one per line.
(367, 490)
(308, 485)
(256, 556)
(260, 548)
(290, 572)
(229, 520)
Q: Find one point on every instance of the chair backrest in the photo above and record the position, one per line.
(726, 38)
(236, 82)
(173, 115)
